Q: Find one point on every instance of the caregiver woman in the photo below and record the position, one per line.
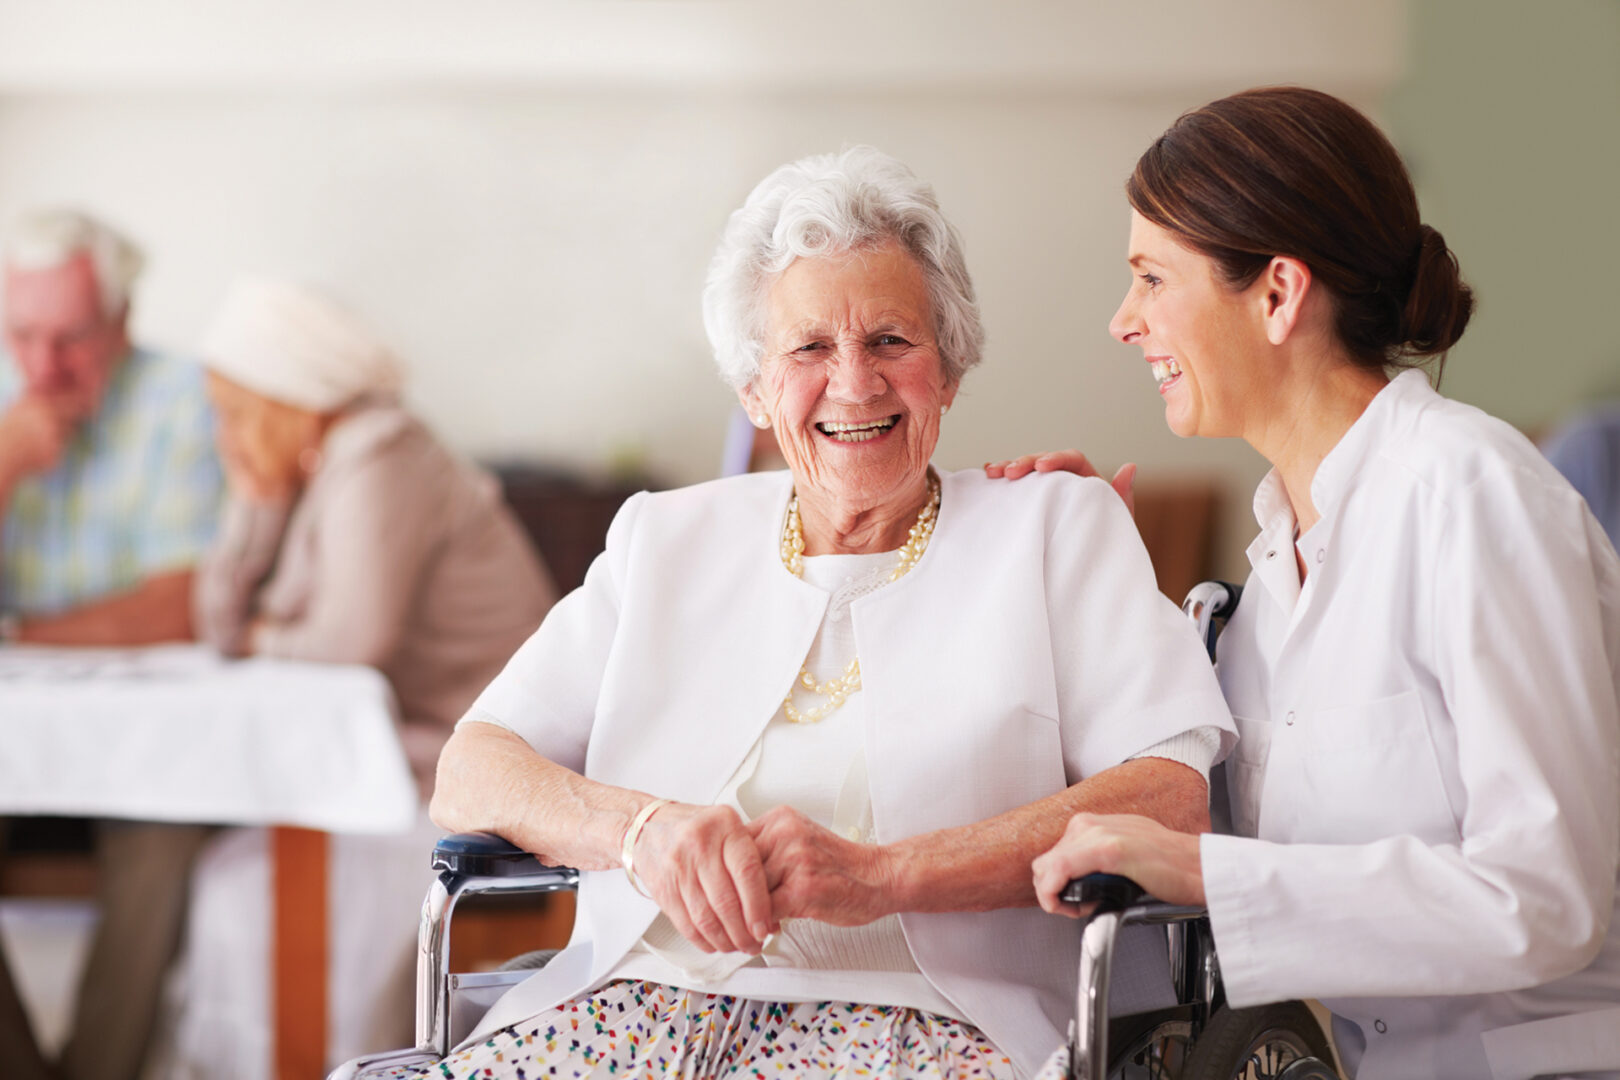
(1423, 665)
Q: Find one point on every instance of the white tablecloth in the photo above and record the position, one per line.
(175, 733)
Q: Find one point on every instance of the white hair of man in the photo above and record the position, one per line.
(826, 205)
(47, 238)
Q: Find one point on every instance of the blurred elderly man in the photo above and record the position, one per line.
(109, 488)
(109, 491)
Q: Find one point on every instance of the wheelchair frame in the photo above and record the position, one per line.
(469, 864)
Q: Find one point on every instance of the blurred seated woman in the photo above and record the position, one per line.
(352, 535)
(804, 730)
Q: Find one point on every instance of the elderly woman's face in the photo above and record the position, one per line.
(261, 441)
(851, 376)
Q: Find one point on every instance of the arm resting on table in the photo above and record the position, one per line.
(157, 610)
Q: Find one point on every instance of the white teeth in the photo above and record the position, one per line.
(1165, 370)
(861, 432)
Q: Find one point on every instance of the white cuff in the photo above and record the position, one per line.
(1195, 749)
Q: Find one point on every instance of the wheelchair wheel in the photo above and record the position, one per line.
(1266, 1042)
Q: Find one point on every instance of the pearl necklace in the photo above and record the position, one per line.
(837, 691)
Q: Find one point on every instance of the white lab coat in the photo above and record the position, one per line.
(1429, 755)
(1028, 649)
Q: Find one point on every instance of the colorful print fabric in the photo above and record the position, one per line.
(634, 1029)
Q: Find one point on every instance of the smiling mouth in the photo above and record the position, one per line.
(859, 431)
(1166, 371)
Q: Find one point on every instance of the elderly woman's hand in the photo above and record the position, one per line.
(701, 866)
(815, 874)
(1072, 461)
(1161, 860)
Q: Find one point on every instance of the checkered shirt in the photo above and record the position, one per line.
(137, 492)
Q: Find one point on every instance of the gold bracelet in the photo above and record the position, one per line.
(627, 846)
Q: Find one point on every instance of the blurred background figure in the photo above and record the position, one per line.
(108, 491)
(350, 535)
(108, 482)
(1586, 449)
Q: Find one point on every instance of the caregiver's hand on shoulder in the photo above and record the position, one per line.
(814, 873)
(1073, 461)
(701, 866)
(1161, 860)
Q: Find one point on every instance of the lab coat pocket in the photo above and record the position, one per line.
(1246, 774)
(1371, 769)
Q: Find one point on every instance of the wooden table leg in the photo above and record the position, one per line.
(298, 953)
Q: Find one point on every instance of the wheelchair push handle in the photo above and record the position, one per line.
(1109, 892)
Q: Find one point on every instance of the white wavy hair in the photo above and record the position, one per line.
(46, 238)
(825, 205)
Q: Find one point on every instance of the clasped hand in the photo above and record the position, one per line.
(727, 885)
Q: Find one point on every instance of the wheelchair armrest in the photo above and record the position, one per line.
(485, 855)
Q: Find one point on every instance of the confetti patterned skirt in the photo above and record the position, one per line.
(633, 1028)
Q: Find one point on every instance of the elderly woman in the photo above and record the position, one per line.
(1425, 666)
(352, 535)
(802, 731)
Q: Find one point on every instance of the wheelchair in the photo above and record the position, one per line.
(1198, 1038)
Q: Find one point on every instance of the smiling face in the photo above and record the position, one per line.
(62, 340)
(852, 381)
(1203, 340)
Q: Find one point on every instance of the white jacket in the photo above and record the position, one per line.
(1027, 650)
(1430, 752)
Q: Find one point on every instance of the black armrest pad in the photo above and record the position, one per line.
(480, 854)
(1110, 892)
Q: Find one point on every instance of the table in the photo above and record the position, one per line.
(175, 733)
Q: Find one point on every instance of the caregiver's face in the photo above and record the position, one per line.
(851, 376)
(1200, 338)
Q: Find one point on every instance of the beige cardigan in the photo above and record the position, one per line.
(397, 555)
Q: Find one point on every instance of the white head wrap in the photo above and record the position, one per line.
(298, 348)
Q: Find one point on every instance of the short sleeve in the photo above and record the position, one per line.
(1131, 672)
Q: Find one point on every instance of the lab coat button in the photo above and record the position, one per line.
(853, 832)
(1271, 554)
(1321, 553)
(1289, 720)
(1380, 1027)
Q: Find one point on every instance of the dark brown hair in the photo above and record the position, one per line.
(1284, 170)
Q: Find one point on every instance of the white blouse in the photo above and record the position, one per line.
(818, 769)
(1429, 754)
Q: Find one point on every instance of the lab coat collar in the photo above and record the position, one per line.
(1272, 552)
(1386, 412)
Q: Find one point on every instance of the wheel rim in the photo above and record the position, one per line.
(1270, 1052)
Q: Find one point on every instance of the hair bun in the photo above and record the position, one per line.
(1439, 304)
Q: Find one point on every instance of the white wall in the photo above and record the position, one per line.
(532, 227)
(1511, 123)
